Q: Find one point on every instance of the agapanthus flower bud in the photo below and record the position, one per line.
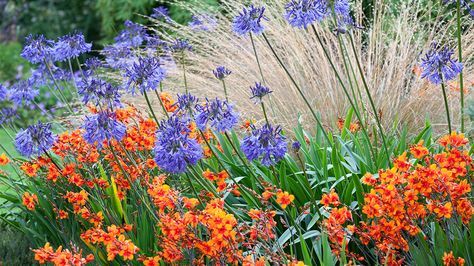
(296, 146)
(249, 21)
(266, 143)
(259, 91)
(219, 114)
(101, 127)
(438, 66)
(174, 149)
(35, 140)
(221, 72)
(146, 75)
(302, 13)
(70, 46)
(38, 49)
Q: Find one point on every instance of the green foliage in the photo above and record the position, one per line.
(11, 63)
(14, 247)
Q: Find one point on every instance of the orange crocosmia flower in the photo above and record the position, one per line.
(330, 199)
(152, 261)
(30, 169)
(62, 214)
(30, 200)
(150, 163)
(168, 102)
(443, 211)
(450, 260)
(369, 179)
(284, 198)
(401, 163)
(419, 151)
(4, 159)
(247, 123)
(267, 195)
(190, 203)
(453, 140)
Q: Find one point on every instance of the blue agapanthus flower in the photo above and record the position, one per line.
(203, 22)
(302, 13)
(259, 91)
(161, 12)
(133, 35)
(70, 46)
(118, 56)
(174, 149)
(3, 93)
(221, 72)
(265, 143)
(98, 92)
(38, 49)
(7, 115)
(101, 127)
(23, 93)
(186, 103)
(438, 66)
(249, 21)
(35, 140)
(146, 75)
(218, 114)
(180, 45)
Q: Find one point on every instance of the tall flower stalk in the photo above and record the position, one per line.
(459, 39)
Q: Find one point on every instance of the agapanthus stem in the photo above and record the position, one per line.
(184, 74)
(80, 67)
(446, 105)
(372, 104)
(239, 155)
(461, 81)
(149, 106)
(352, 103)
(264, 112)
(320, 125)
(225, 91)
(256, 57)
(57, 87)
(161, 104)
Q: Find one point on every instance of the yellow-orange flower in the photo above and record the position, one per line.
(284, 198)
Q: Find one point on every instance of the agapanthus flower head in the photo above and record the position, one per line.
(302, 13)
(174, 149)
(146, 75)
(181, 45)
(35, 140)
(186, 103)
(103, 126)
(98, 91)
(133, 35)
(218, 114)
(70, 46)
(38, 49)
(3, 92)
(7, 115)
(438, 66)
(155, 42)
(259, 91)
(249, 20)
(221, 72)
(93, 63)
(161, 12)
(266, 143)
(23, 93)
(118, 56)
(202, 22)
